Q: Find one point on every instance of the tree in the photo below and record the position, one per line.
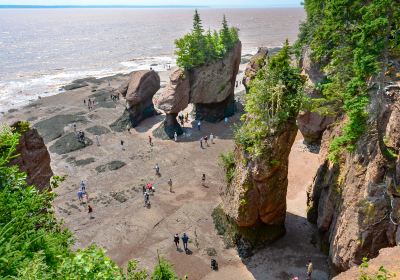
(198, 48)
(275, 97)
(163, 271)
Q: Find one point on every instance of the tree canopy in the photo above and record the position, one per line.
(353, 41)
(199, 47)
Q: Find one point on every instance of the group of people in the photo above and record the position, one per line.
(205, 140)
(185, 241)
(80, 135)
(90, 104)
(83, 197)
(183, 118)
(114, 97)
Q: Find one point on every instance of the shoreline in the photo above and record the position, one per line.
(56, 87)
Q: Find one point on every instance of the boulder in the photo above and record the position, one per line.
(33, 158)
(312, 124)
(138, 92)
(256, 63)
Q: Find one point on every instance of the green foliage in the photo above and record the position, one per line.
(33, 244)
(353, 40)
(275, 96)
(163, 271)
(228, 162)
(198, 48)
(381, 274)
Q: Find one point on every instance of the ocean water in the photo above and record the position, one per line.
(44, 49)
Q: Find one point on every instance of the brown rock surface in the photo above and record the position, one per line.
(212, 87)
(175, 97)
(34, 159)
(140, 88)
(257, 193)
(388, 258)
(312, 124)
(256, 63)
(215, 82)
(354, 202)
(138, 92)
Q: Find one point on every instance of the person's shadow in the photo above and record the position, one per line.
(188, 252)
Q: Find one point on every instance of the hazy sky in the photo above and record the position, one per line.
(212, 3)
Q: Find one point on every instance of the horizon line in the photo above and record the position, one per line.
(131, 6)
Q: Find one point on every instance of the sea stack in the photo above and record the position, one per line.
(138, 92)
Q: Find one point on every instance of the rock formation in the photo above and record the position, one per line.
(209, 87)
(356, 202)
(256, 198)
(34, 159)
(212, 87)
(174, 99)
(312, 124)
(256, 63)
(138, 92)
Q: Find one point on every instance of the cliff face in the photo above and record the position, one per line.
(356, 202)
(34, 159)
(256, 63)
(312, 124)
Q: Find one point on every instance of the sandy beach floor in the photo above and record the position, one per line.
(127, 229)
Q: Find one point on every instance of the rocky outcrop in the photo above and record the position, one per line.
(212, 87)
(312, 124)
(388, 258)
(174, 99)
(33, 158)
(138, 92)
(257, 62)
(256, 197)
(209, 87)
(356, 202)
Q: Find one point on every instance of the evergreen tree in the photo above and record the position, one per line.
(197, 24)
(226, 35)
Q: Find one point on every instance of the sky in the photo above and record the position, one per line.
(210, 3)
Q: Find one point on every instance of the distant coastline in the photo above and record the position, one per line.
(94, 6)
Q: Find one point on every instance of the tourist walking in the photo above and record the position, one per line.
(82, 187)
(122, 145)
(146, 199)
(176, 137)
(226, 120)
(90, 211)
(75, 128)
(309, 269)
(212, 138)
(80, 196)
(176, 241)
(201, 142)
(150, 141)
(157, 169)
(203, 180)
(206, 140)
(185, 240)
(170, 185)
(199, 125)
